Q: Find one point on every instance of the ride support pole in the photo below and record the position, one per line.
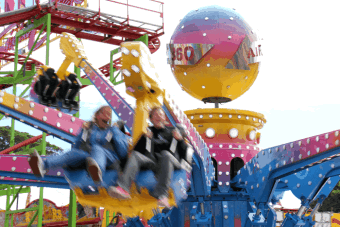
(316, 208)
(301, 211)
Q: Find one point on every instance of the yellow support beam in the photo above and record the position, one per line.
(141, 81)
(73, 50)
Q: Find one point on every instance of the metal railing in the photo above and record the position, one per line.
(127, 18)
(128, 11)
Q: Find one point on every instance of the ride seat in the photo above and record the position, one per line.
(68, 91)
(91, 194)
(46, 87)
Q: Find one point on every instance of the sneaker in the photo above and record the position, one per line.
(163, 202)
(94, 170)
(118, 192)
(36, 164)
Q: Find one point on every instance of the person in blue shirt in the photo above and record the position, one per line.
(97, 147)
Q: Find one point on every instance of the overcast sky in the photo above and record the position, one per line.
(297, 87)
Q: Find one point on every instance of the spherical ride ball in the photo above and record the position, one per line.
(214, 54)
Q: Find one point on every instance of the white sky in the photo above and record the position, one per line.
(297, 87)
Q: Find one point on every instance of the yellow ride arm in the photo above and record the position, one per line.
(73, 49)
(141, 81)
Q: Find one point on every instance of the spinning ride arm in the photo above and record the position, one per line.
(275, 163)
(309, 168)
(318, 182)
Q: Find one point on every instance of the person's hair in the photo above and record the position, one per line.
(153, 110)
(99, 111)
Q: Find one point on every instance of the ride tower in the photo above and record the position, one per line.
(215, 57)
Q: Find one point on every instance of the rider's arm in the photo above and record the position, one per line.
(120, 142)
(79, 139)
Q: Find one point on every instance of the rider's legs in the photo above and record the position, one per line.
(166, 165)
(99, 159)
(135, 162)
(72, 158)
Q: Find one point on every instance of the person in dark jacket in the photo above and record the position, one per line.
(98, 146)
(162, 150)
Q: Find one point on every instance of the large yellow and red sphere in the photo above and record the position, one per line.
(214, 54)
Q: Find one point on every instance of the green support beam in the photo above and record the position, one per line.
(24, 91)
(112, 70)
(9, 214)
(77, 72)
(144, 39)
(48, 32)
(40, 207)
(3, 186)
(33, 218)
(14, 198)
(7, 205)
(43, 152)
(33, 25)
(11, 141)
(72, 217)
(31, 50)
(107, 218)
(6, 72)
(24, 190)
(20, 79)
(85, 81)
(72, 209)
(22, 210)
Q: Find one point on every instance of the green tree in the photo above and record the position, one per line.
(5, 135)
(331, 203)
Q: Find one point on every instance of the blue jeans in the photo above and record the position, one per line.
(103, 157)
(73, 158)
(76, 158)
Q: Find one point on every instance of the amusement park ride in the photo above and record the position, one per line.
(215, 57)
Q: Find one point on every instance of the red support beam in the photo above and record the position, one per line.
(22, 144)
(101, 29)
(6, 56)
(19, 17)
